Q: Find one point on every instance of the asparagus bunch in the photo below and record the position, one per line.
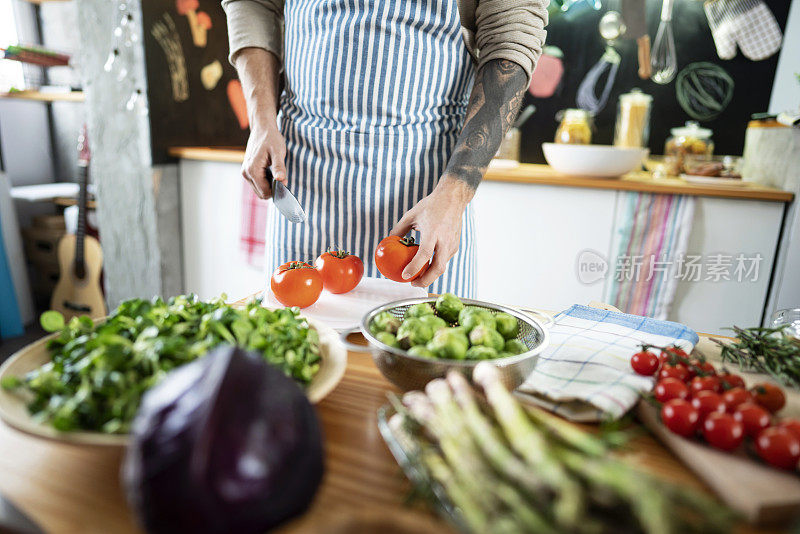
(508, 468)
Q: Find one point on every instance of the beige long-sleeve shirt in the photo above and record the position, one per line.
(492, 29)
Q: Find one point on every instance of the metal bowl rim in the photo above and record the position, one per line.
(509, 360)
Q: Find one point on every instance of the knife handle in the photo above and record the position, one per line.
(643, 47)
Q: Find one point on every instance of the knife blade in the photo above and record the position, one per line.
(633, 13)
(14, 520)
(285, 201)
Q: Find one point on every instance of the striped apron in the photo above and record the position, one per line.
(376, 92)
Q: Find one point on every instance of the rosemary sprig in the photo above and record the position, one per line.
(764, 350)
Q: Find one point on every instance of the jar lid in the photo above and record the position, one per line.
(636, 96)
(573, 114)
(691, 129)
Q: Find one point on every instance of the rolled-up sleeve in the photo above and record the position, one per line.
(512, 30)
(254, 23)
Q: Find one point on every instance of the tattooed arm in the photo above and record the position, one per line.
(496, 97)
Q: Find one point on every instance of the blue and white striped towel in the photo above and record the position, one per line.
(585, 373)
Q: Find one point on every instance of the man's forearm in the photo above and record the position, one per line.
(259, 73)
(496, 97)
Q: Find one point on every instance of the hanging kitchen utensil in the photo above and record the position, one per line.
(572, 8)
(548, 73)
(633, 13)
(748, 23)
(611, 27)
(663, 58)
(285, 202)
(704, 90)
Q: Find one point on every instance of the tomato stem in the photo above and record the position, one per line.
(408, 241)
(299, 265)
(341, 254)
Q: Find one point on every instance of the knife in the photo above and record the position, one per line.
(14, 521)
(633, 13)
(285, 202)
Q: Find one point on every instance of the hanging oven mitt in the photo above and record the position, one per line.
(548, 73)
(721, 28)
(748, 23)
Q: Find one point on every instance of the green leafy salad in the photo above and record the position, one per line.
(99, 371)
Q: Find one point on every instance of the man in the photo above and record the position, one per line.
(390, 114)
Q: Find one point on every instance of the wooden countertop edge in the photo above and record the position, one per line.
(544, 175)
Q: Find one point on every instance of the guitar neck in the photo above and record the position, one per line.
(82, 208)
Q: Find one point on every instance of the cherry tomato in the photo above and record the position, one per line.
(730, 381)
(769, 396)
(753, 417)
(678, 371)
(722, 431)
(671, 388)
(340, 270)
(644, 363)
(392, 256)
(792, 425)
(673, 355)
(701, 383)
(296, 283)
(778, 447)
(680, 417)
(734, 397)
(702, 368)
(707, 402)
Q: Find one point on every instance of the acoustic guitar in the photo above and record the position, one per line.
(80, 258)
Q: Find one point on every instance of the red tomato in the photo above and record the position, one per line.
(296, 283)
(753, 417)
(778, 447)
(734, 397)
(392, 256)
(707, 402)
(701, 383)
(644, 363)
(722, 431)
(340, 271)
(730, 381)
(678, 371)
(792, 425)
(702, 368)
(671, 388)
(769, 396)
(673, 355)
(680, 417)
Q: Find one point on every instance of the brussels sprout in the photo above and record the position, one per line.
(384, 322)
(388, 339)
(507, 325)
(504, 354)
(421, 351)
(515, 346)
(422, 309)
(488, 337)
(474, 317)
(448, 306)
(436, 323)
(481, 353)
(414, 332)
(449, 343)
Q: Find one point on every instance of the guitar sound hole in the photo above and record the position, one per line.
(76, 307)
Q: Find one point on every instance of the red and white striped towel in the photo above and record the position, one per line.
(252, 236)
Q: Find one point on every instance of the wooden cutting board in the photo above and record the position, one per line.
(762, 494)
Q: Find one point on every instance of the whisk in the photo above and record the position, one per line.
(663, 59)
(611, 27)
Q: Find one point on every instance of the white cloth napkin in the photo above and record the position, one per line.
(585, 373)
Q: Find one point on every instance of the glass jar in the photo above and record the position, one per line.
(509, 147)
(690, 139)
(575, 127)
(633, 119)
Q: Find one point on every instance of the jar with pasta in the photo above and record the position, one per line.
(575, 127)
(633, 119)
(689, 140)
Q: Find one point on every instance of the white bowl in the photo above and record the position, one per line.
(593, 161)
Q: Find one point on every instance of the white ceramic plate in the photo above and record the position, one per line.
(13, 410)
(710, 180)
(593, 161)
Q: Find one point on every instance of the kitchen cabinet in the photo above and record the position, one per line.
(532, 227)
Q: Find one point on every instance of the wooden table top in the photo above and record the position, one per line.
(72, 489)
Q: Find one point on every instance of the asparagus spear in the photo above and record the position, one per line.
(568, 433)
(531, 444)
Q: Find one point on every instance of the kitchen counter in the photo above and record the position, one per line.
(544, 175)
(72, 489)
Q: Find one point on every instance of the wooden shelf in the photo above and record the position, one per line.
(45, 1)
(38, 96)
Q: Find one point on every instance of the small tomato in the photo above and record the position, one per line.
(296, 283)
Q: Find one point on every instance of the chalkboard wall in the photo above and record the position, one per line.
(582, 46)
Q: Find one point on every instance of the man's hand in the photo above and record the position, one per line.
(265, 148)
(258, 70)
(438, 219)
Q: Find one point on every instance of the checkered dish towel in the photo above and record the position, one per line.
(585, 373)
(252, 234)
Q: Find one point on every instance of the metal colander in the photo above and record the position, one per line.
(411, 372)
